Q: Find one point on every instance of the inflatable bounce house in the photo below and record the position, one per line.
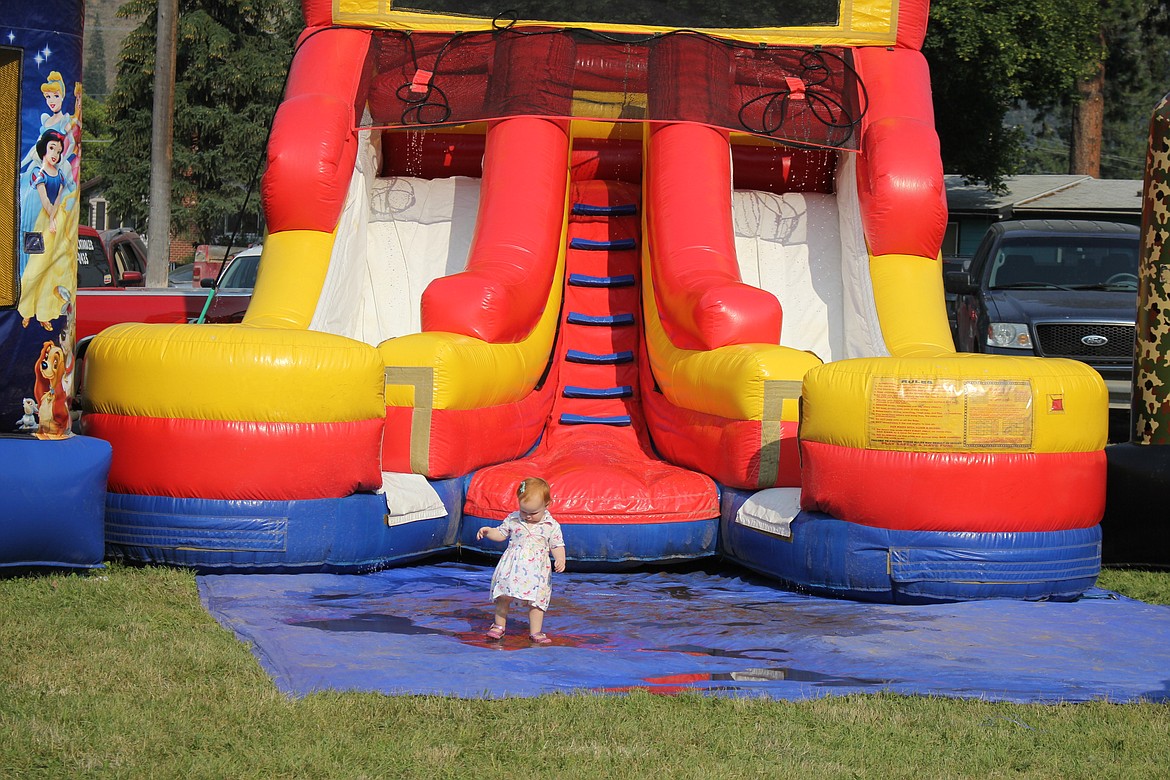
(680, 261)
(53, 484)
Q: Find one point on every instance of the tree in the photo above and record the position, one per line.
(95, 134)
(93, 75)
(231, 62)
(986, 57)
(1095, 123)
(1130, 73)
(1137, 75)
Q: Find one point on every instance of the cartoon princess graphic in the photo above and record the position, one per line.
(56, 224)
(69, 128)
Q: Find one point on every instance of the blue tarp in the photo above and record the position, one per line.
(419, 630)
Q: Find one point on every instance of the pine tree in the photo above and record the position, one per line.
(232, 56)
(93, 75)
(986, 58)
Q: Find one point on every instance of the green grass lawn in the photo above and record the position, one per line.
(124, 674)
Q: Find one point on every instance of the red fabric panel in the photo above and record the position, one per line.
(463, 440)
(802, 94)
(598, 476)
(514, 89)
(728, 450)
(396, 439)
(780, 169)
(224, 459)
(608, 159)
(313, 145)
(513, 256)
(602, 67)
(318, 13)
(701, 96)
(912, 19)
(952, 491)
(701, 300)
(900, 177)
(431, 154)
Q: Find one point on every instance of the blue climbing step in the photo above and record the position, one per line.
(621, 391)
(582, 280)
(585, 419)
(618, 210)
(602, 246)
(577, 318)
(612, 358)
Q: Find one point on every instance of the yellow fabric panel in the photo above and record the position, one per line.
(9, 205)
(911, 305)
(232, 372)
(470, 373)
(965, 402)
(729, 381)
(611, 130)
(290, 277)
(861, 22)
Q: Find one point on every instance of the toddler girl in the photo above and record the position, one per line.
(523, 572)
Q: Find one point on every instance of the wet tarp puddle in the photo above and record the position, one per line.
(420, 630)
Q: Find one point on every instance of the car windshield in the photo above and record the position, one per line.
(241, 273)
(1066, 262)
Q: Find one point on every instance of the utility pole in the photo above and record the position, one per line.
(158, 251)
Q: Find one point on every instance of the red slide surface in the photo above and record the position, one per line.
(596, 452)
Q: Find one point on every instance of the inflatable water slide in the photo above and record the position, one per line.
(684, 266)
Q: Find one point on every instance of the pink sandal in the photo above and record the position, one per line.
(495, 632)
(539, 639)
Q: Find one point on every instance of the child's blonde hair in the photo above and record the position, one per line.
(534, 486)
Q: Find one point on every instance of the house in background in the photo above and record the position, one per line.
(95, 209)
(973, 208)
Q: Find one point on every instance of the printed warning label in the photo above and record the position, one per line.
(943, 414)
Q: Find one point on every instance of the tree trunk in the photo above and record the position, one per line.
(158, 227)
(1088, 122)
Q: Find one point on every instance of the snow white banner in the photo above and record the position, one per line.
(40, 100)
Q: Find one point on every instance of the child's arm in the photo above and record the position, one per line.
(558, 554)
(495, 534)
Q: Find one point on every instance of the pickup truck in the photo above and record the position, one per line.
(1054, 288)
(111, 292)
(116, 258)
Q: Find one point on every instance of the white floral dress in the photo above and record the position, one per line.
(524, 571)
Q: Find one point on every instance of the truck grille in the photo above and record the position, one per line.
(1065, 340)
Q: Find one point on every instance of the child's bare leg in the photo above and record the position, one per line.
(535, 620)
(502, 604)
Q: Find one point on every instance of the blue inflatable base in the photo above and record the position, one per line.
(420, 630)
(612, 547)
(348, 534)
(51, 515)
(831, 557)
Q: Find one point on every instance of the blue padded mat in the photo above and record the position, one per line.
(419, 630)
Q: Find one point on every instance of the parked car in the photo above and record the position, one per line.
(1054, 288)
(240, 273)
(181, 276)
(100, 308)
(115, 258)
